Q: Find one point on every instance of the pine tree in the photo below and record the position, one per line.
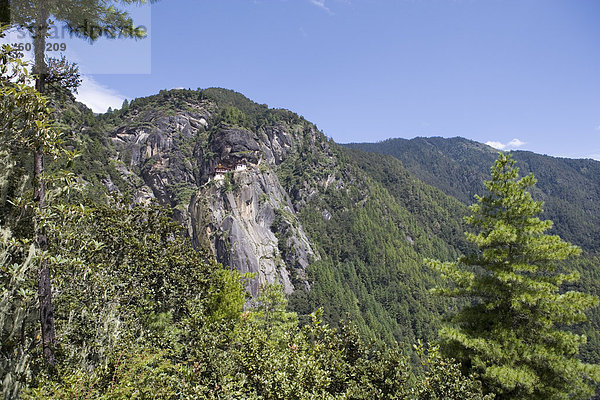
(512, 332)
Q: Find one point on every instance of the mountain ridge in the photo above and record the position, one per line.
(457, 166)
(303, 213)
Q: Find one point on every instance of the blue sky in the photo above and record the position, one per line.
(522, 73)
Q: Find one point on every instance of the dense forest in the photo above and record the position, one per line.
(570, 188)
(140, 313)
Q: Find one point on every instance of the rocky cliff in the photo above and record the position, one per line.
(249, 224)
(244, 217)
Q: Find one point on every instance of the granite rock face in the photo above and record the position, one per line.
(160, 150)
(246, 218)
(242, 217)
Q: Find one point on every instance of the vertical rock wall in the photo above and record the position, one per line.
(241, 217)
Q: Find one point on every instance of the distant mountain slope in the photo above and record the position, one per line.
(570, 188)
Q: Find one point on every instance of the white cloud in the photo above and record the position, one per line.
(98, 97)
(516, 143)
(496, 145)
(513, 144)
(321, 5)
(598, 128)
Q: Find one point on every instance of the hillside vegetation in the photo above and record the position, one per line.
(371, 219)
(570, 188)
(138, 228)
(370, 235)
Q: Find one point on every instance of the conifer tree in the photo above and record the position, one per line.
(512, 332)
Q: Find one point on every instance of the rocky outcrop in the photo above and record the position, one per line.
(277, 144)
(251, 226)
(247, 219)
(227, 146)
(160, 149)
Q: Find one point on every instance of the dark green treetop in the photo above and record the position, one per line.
(88, 18)
(511, 333)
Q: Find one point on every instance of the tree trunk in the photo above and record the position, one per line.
(39, 194)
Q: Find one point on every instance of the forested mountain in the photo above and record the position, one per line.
(300, 211)
(570, 188)
(341, 229)
(264, 192)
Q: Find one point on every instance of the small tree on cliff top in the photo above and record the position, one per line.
(510, 333)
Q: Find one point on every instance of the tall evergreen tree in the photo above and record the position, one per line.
(512, 332)
(88, 19)
(24, 123)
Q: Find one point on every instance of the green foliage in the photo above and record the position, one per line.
(511, 334)
(88, 19)
(25, 119)
(234, 116)
(165, 102)
(244, 112)
(140, 314)
(267, 356)
(229, 184)
(26, 131)
(145, 374)
(441, 213)
(4, 12)
(134, 256)
(226, 303)
(230, 100)
(371, 235)
(62, 78)
(443, 379)
(127, 285)
(17, 312)
(458, 167)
